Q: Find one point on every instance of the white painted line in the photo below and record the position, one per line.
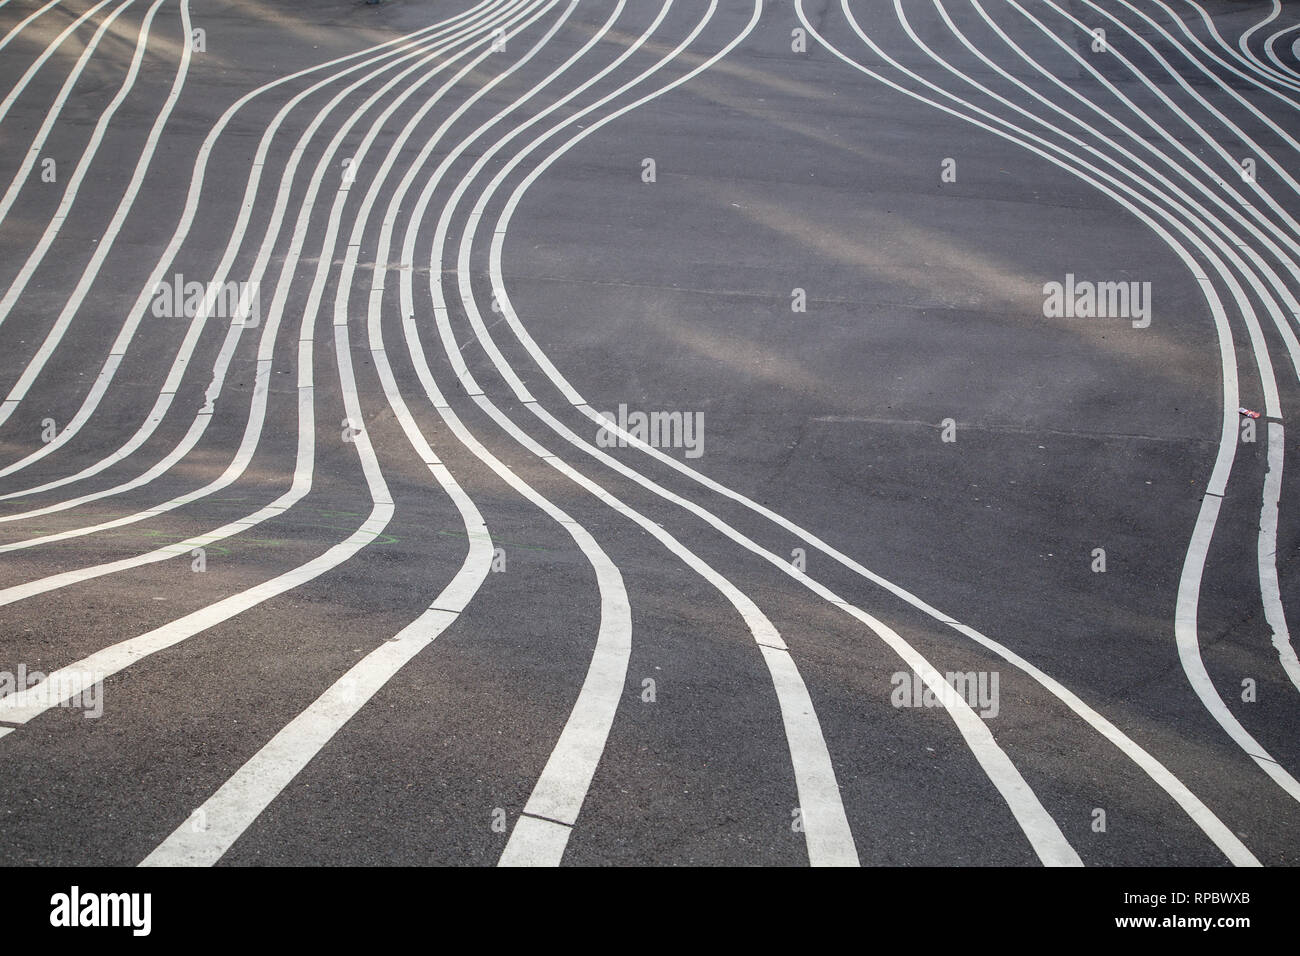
(257, 783)
(1274, 611)
(1292, 226)
(23, 175)
(1222, 836)
(19, 27)
(239, 801)
(829, 839)
(1190, 582)
(535, 842)
(256, 418)
(161, 271)
(1248, 61)
(1041, 829)
(567, 775)
(7, 103)
(1270, 49)
(105, 243)
(23, 706)
(1274, 308)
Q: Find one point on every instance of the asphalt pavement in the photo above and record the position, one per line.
(749, 432)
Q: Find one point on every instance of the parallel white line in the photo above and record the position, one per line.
(1186, 629)
(1166, 186)
(179, 236)
(1249, 62)
(105, 243)
(302, 478)
(253, 427)
(42, 133)
(1222, 836)
(1227, 447)
(1270, 49)
(1232, 169)
(23, 706)
(1267, 541)
(1165, 189)
(562, 787)
(1041, 830)
(49, 51)
(1243, 41)
(1266, 551)
(590, 718)
(234, 807)
(1204, 818)
(828, 836)
(18, 27)
(1267, 546)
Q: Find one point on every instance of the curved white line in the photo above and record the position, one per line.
(1269, 49)
(1243, 42)
(252, 433)
(51, 117)
(565, 780)
(105, 243)
(1249, 62)
(246, 794)
(302, 478)
(1185, 622)
(23, 706)
(1222, 836)
(1293, 227)
(1268, 534)
(1274, 612)
(1041, 830)
(18, 27)
(179, 236)
(1266, 550)
(54, 44)
(559, 792)
(828, 837)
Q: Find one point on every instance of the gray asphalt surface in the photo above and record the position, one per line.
(921, 445)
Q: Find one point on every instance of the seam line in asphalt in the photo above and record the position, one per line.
(538, 816)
